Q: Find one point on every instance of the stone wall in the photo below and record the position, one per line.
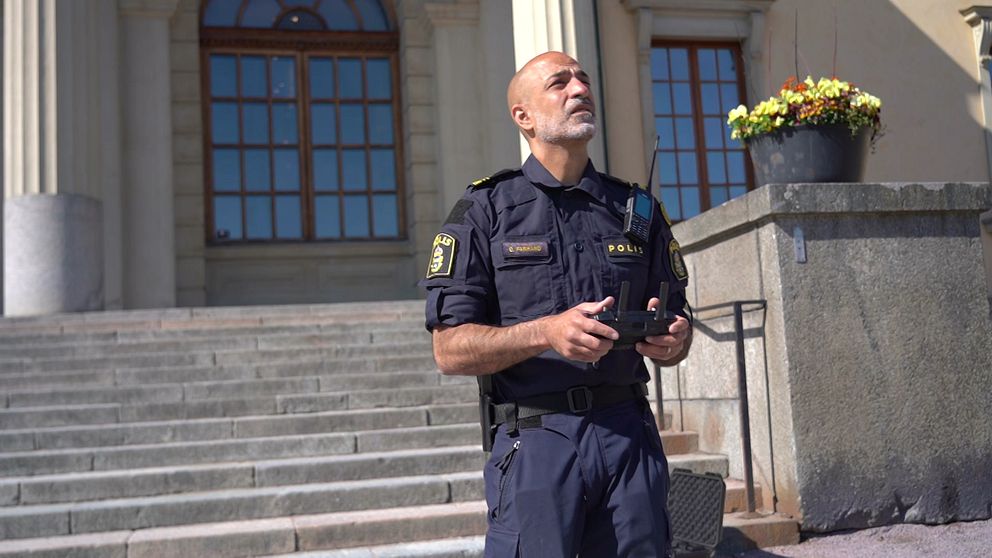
(868, 376)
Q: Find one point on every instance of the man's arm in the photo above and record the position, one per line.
(476, 349)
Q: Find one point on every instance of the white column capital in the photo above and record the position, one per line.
(463, 12)
(147, 8)
(980, 19)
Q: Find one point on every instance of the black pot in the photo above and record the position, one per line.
(826, 153)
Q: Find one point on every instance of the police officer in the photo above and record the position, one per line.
(521, 263)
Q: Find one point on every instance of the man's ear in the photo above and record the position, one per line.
(522, 118)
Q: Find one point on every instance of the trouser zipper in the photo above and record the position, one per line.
(504, 468)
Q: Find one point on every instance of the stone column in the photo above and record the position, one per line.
(53, 168)
(149, 221)
(567, 26)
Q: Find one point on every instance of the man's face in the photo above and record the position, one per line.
(561, 102)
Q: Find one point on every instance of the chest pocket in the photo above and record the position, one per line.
(523, 272)
(626, 261)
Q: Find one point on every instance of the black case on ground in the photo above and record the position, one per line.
(695, 507)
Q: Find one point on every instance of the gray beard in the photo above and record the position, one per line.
(555, 131)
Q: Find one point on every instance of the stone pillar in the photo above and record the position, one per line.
(567, 26)
(868, 375)
(149, 221)
(53, 166)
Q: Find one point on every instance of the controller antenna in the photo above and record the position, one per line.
(659, 312)
(622, 304)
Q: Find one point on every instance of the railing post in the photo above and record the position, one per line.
(744, 410)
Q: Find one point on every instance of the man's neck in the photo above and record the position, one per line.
(565, 162)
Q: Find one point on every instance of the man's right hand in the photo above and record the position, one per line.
(576, 336)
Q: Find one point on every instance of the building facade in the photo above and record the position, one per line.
(163, 153)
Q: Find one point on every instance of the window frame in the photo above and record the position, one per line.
(303, 45)
(695, 87)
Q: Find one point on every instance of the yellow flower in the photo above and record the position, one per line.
(739, 112)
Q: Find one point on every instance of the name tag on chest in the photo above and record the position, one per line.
(517, 250)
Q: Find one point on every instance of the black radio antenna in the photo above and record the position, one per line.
(654, 157)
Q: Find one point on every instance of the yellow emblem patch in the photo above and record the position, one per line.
(675, 258)
(442, 256)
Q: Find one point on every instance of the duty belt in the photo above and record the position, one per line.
(577, 400)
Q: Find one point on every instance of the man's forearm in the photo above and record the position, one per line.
(477, 350)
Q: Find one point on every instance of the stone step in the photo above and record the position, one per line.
(234, 427)
(179, 479)
(208, 357)
(236, 504)
(46, 462)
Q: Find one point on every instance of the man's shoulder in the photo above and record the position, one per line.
(495, 178)
(617, 181)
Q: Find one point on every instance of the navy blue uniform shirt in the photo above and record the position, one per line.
(523, 245)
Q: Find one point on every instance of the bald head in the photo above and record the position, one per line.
(528, 78)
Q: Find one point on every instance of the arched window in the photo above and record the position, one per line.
(301, 120)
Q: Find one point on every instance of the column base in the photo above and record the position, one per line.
(53, 254)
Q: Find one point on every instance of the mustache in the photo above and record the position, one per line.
(580, 103)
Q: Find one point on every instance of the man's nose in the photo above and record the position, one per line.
(577, 88)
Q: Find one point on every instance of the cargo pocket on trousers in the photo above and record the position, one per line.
(502, 544)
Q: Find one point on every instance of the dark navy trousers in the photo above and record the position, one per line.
(592, 485)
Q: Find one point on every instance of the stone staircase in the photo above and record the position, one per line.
(320, 430)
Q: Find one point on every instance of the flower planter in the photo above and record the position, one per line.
(824, 153)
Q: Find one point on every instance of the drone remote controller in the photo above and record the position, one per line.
(634, 326)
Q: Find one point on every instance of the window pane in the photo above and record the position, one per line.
(221, 13)
(666, 131)
(258, 217)
(687, 168)
(260, 13)
(297, 20)
(288, 217)
(223, 76)
(715, 169)
(685, 135)
(667, 172)
(338, 15)
(680, 64)
(325, 169)
(257, 171)
(327, 218)
(380, 81)
(728, 142)
(356, 216)
(225, 122)
(714, 132)
(350, 78)
(736, 172)
(284, 124)
(353, 169)
(682, 97)
(283, 76)
(690, 202)
(662, 98)
(352, 124)
(385, 217)
(670, 197)
(321, 78)
(707, 64)
(383, 169)
(227, 170)
(322, 125)
(659, 63)
(254, 83)
(372, 17)
(227, 217)
(728, 94)
(737, 191)
(256, 121)
(711, 98)
(381, 124)
(718, 195)
(728, 67)
(287, 170)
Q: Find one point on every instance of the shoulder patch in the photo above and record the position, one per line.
(675, 259)
(457, 215)
(493, 178)
(442, 256)
(620, 181)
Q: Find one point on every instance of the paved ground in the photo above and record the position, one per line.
(956, 540)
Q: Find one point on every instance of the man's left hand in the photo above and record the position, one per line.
(667, 349)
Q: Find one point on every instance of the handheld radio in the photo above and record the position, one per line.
(637, 217)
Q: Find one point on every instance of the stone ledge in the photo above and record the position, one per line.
(832, 198)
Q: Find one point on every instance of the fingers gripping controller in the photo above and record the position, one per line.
(634, 326)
